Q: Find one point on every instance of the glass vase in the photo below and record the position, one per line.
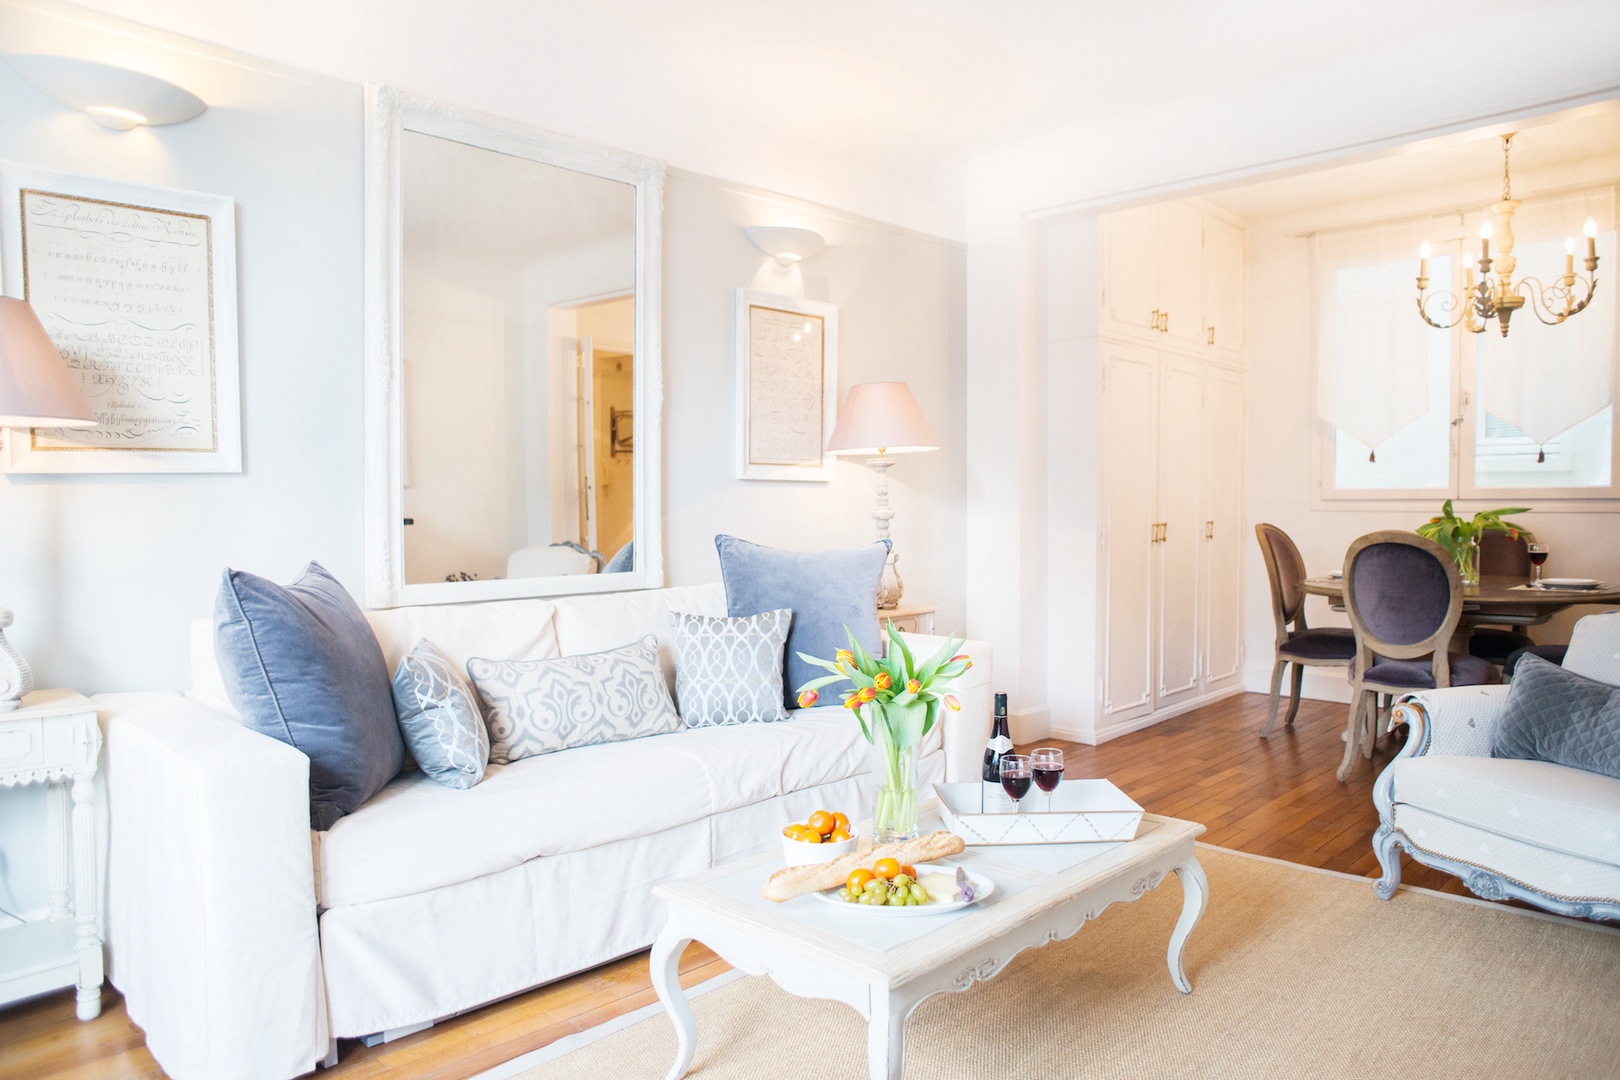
(1467, 556)
(894, 803)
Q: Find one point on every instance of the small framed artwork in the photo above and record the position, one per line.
(136, 286)
(787, 386)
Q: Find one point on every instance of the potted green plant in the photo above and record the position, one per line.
(1461, 538)
(897, 702)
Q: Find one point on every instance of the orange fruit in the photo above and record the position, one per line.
(858, 879)
(792, 831)
(841, 823)
(838, 836)
(810, 837)
(821, 822)
(885, 868)
(909, 871)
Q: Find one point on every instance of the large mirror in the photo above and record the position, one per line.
(513, 378)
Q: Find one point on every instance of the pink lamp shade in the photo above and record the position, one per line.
(881, 418)
(36, 388)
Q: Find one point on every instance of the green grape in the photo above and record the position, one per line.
(919, 894)
(902, 879)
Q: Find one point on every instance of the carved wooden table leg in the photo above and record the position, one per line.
(886, 1036)
(1194, 896)
(666, 977)
(87, 866)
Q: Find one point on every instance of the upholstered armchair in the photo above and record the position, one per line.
(1546, 834)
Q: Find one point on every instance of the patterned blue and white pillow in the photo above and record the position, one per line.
(440, 718)
(729, 671)
(538, 706)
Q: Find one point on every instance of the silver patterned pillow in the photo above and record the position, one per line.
(538, 706)
(440, 718)
(729, 671)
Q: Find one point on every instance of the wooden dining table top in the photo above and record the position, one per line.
(1497, 596)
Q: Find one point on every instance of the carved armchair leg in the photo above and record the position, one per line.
(1387, 846)
(1293, 700)
(1276, 692)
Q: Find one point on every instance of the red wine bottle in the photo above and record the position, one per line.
(993, 799)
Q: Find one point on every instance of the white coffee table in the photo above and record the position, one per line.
(884, 967)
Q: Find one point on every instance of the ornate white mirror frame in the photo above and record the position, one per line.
(390, 113)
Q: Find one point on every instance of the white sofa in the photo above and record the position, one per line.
(1531, 830)
(245, 944)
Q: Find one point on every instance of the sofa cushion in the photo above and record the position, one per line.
(729, 670)
(302, 666)
(417, 835)
(541, 706)
(1537, 802)
(1557, 873)
(1556, 715)
(587, 624)
(827, 591)
(439, 717)
(503, 629)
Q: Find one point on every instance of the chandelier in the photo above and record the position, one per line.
(1498, 296)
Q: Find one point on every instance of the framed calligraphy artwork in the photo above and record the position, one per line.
(787, 386)
(136, 286)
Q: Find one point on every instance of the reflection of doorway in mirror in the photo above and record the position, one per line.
(605, 377)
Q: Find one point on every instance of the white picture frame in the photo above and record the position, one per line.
(187, 417)
(787, 402)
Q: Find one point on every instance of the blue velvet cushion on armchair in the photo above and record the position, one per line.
(826, 591)
(302, 665)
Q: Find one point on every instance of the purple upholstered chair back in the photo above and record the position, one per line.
(1504, 555)
(1286, 569)
(1402, 593)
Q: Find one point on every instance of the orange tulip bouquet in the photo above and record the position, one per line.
(896, 700)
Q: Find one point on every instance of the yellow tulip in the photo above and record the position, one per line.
(808, 698)
(913, 686)
(865, 694)
(883, 682)
(953, 703)
(844, 656)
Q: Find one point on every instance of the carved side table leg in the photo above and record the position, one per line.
(59, 845)
(886, 1037)
(666, 978)
(86, 866)
(1194, 895)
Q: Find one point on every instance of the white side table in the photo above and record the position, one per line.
(54, 739)
(909, 618)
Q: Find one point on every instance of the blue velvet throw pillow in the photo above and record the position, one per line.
(302, 665)
(825, 590)
(1558, 716)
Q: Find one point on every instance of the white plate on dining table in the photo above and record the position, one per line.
(983, 888)
(1581, 583)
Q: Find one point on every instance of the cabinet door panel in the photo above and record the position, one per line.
(1223, 283)
(1181, 484)
(1223, 563)
(1180, 271)
(1127, 452)
(1127, 251)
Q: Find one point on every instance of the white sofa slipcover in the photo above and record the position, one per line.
(245, 943)
(1543, 833)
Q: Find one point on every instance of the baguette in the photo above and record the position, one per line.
(803, 880)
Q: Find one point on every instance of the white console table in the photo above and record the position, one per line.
(55, 739)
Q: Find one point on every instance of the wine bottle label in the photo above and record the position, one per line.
(996, 800)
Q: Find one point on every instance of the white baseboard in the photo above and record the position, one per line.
(1030, 725)
(1093, 737)
(1321, 683)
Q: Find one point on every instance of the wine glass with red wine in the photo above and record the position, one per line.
(1015, 777)
(1538, 555)
(1047, 766)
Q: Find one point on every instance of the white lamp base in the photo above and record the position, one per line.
(16, 677)
(889, 585)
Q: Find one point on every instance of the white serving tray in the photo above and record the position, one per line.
(1083, 812)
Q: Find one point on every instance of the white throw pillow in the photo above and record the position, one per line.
(538, 706)
(729, 670)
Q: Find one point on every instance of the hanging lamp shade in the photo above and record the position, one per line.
(36, 388)
(881, 418)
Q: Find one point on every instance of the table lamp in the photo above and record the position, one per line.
(879, 419)
(36, 390)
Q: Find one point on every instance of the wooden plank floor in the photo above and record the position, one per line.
(1276, 797)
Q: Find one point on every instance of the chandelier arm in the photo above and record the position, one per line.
(1448, 303)
(1538, 295)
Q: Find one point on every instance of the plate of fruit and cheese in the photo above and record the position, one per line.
(892, 889)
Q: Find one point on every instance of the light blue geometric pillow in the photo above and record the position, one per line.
(440, 718)
(729, 671)
(540, 706)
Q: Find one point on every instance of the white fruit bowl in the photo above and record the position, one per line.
(799, 853)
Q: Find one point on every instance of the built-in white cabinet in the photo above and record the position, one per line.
(1171, 512)
(1173, 273)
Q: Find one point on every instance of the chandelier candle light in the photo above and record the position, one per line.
(1499, 297)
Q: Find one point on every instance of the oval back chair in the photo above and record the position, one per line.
(1297, 643)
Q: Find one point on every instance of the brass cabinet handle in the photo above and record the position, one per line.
(1155, 318)
(1164, 321)
(1209, 530)
(1212, 335)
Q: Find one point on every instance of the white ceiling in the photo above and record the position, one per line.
(880, 106)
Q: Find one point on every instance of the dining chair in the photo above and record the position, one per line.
(1404, 598)
(1501, 554)
(1298, 644)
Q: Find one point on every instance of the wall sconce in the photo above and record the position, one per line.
(785, 244)
(115, 97)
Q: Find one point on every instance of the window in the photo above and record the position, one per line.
(1485, 416)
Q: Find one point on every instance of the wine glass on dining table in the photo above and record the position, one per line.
(1015, 777)
(1046, 764)
(1538, 555)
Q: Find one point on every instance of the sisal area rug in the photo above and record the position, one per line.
(1296, 973)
